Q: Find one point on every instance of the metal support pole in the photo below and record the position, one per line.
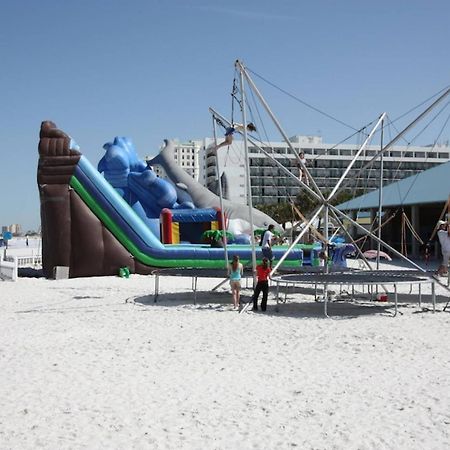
(297, 239)
(224, 225)
(219, 285)
(358, 153)
(395, 300)
(156, 287)
(268, 155)
(408, 127)
(325, 256)
(278, 125)
(249, 182)
(380, 201)
(195, 290)
(433, 295)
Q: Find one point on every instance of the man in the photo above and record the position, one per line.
(266, 244)
(444, 239)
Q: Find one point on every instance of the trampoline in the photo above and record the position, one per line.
(195, 274)
(358, 277)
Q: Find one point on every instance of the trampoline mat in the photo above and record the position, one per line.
(355, 277)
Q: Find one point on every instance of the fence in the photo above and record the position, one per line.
(9, 265)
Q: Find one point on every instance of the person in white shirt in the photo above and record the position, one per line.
(266, 244)
(229, 132)
(444, 239)
(301, 168)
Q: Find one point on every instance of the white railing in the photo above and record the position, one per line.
(8, 268)
(29, 261)
(10, 265)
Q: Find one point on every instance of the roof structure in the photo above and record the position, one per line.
(429, 186)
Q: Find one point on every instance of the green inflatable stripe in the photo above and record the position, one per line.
(123, 239)
(143, 257)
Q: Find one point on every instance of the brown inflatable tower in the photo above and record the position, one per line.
(72, 236)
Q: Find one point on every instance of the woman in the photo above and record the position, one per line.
(263, 272)
(236, 272)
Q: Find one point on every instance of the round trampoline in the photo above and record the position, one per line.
(358, 277)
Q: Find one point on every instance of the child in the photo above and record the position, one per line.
(301, 167)
(263, 271)
(231, 130)
(236, 272)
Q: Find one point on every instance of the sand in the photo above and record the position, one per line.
(93, 363)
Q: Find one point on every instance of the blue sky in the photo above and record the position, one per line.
(151, 69)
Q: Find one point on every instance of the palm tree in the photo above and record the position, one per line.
(215, 236)
(261, 231)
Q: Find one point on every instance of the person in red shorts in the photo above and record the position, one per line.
(262, 271)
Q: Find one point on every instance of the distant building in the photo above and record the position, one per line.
(187, 156)
(15, 229)
(325, 162)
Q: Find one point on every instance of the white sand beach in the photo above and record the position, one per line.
(94, 363)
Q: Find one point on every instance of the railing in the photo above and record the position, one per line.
(28, 261)
(8, 268)
(10, 265)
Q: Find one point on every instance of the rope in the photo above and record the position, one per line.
(404, 250)
(378, 227)
(413, 231)
(302, 101)
(447, 205)
(314, 230)
(432, 148)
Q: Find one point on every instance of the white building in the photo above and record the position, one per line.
(325, 162)
(15, 229)
(187, 157)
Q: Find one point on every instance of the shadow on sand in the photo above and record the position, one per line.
(299, 303)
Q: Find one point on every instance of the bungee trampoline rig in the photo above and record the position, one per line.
(326, 277)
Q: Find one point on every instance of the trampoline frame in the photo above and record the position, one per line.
(355, 278)
(315, 278)
(195, 274)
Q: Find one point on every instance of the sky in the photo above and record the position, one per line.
(150, 70)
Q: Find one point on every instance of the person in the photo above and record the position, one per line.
(262, 272)
(229, 131)
(26, 241)
(444, 239)
(301, 168)
(236, 272)
(266, 243)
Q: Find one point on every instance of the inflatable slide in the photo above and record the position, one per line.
(89, 227)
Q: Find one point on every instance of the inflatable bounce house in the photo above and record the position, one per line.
(188, 226)
(97, 221)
